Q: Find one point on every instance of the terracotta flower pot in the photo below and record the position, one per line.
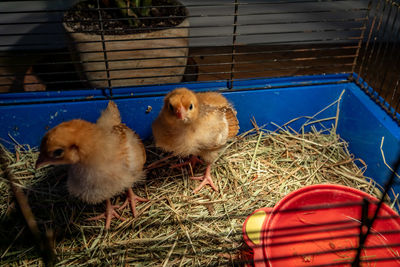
(135, 60)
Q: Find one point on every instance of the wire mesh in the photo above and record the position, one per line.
(224, 40)
(378, 60)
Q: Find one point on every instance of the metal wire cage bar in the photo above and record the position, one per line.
(49, 47)
(223, 41)
(378, 60)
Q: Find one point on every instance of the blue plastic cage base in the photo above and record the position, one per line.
(362, 123)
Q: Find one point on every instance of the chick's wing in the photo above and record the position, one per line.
(110, 116)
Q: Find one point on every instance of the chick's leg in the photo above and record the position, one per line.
(108, 215)
(192, 161)
(131, 200)
(159, 163)
(206, 179)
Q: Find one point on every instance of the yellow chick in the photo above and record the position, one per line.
(197, 124)
(105, 158)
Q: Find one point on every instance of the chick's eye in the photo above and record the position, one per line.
(58, 153)
(171, 107)
(191, 106)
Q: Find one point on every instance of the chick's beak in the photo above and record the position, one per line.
(180, 113)
(41, 161)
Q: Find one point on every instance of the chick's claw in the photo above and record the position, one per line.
(131, 200)
(206, 179)
(108, 215)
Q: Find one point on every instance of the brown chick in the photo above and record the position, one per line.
(197, 124)
(105, 159)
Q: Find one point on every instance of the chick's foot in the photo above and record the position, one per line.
(108, 215)
(131, 200)
(206, 179)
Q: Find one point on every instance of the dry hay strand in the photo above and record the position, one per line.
(177, 227)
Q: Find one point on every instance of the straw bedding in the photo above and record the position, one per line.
(176, 227)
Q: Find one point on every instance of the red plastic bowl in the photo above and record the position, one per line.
(321, 236)
(329, 235)
(252, 235)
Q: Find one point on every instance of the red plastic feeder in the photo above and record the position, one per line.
(296, 232)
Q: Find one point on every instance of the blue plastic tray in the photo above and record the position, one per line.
(362, 123)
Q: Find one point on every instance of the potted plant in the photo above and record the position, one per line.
(133, 39)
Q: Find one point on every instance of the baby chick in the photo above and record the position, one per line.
(197, 124)
(105, 159)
